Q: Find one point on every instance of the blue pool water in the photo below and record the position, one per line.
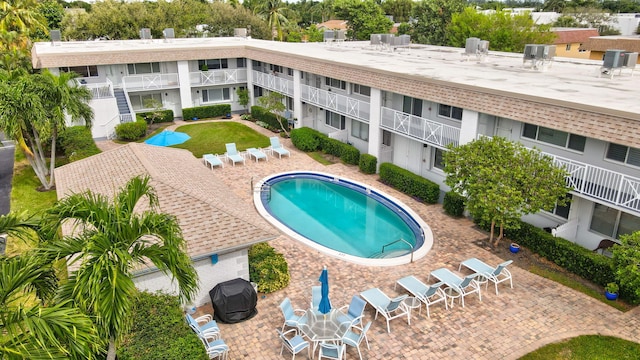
(341, 215)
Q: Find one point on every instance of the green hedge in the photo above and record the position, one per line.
(164, 116)
(132, 130)
(261, 114)
(453, 204)
(159, 331)
(306, 139)
(368, 163)
(203, 112)
(76, 142)
(268, 268)
(409, 183)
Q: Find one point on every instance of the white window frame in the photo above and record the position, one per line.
(139, 99)
(616, 225)
(361, 90)
(224, 92)
(438, 153)
(626, 156)
(155, 68)
(331, 118)
(450, 111)
(83, 71)
(566, 143)
(335, 83)
(359, 130)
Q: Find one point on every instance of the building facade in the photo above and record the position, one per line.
(402, 105)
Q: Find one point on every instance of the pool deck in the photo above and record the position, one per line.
(534, 313)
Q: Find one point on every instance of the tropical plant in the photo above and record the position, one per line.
(272, 102)
(273, 13)
(21, 16)
(31, 327)
(34, 108)
(626, 258)
(503, 180)
(243, 96)
(364, 17)
(431, 19)
(109, 241)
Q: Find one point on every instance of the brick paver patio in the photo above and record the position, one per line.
(505, 326)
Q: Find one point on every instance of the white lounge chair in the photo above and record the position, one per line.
(257, 154)
(462, 287)
(429, 295)
(277, 147)
(233, 154)
(212, 160)
(389, 308)
(495, 275)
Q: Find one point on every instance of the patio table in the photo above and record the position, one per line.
(323, 328)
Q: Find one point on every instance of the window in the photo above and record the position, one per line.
(83, 71)
(290, 71)
(562, 211)
(568, 48)
(624, 154)
(335, 83)
(360, 89)
(213, 64)
(360, 130)
(334, 120)
(241, 63)
(277, 69)
(412, 106)
(257, 91)
(581, 49)
(449, 111)
(554, 137)
(386, 138)
(143, 68)
(256, 64)
(140, 102)
(438, 158)
(612, 222)
(289, 103)
(215, 95)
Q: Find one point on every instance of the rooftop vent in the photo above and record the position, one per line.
(341, 35)
(168, 34)
(476, 47)
(539, 57)
(145, 34)
(240, 32)
(55, 36)
(618, 60)
(328, 36)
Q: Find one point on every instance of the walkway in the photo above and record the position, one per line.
(535, 312)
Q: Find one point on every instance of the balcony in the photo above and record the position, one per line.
(274, 83)
(429, 131)
(150, 82)
(99, 90)
(218, 77)
(341, 104)
(602, 184)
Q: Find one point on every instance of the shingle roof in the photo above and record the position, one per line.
(571, 35)
(333, 25)
(213, 219)
(604, 43)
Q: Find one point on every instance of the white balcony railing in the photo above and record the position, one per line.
(600, 183)
(341, 104)
(426, 130)
(273, 83)
(150, 82)
(218, 77)
(100, 90)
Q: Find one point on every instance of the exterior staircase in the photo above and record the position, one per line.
(123, 106)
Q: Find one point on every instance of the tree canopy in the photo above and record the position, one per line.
(431, 19)
(364, 17)
(503, 180)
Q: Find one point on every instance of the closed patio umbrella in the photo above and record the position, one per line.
(325, 304)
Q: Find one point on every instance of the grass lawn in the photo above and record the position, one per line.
(210, 138)
(587, 347)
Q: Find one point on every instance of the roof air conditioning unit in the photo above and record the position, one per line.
(55, 35)
(240, 32)
(630, 60)
(145, 34)
(168, 33)
(483, 47)
(471, 46)
(406, 39)
(375, 39)
(614, 59)
(386, 38)
(328, 35)
(341, 35)
(541, 56)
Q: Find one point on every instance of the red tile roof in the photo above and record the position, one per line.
(333, 25)
(572, 35)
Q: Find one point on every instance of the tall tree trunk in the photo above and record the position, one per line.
(111, 354)
(493, 223)
(499, 236)
(52, 162)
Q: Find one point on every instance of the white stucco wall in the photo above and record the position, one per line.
(229, 266)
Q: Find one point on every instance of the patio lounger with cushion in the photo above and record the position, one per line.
(462, 287)
(389, 308)
(496, 275)
(278, 148)
(233, 154)
(257, 154)
(429, 295)
(212, 160)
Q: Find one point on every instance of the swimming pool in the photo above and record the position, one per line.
(343, 218)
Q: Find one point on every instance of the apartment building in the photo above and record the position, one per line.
(403, 105)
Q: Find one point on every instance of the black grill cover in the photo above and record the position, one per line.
(234, 301)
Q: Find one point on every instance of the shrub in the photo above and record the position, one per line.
(306, 139)
(268, 268)
(76, 142)
(159, 331)
(132, 130)
(453, 204)
(261, 114)
(247, 117)
(409, 183)
(203, 112)
(349, 154)
(368, 163)
(159, 116)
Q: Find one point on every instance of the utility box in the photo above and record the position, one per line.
(614, 59)
(471, 46)
(240, 32)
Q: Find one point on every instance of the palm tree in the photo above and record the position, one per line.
(111, 240)
(36, 105)
(22, 16)
(273, 12)
(28, 328)
(324, 9)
